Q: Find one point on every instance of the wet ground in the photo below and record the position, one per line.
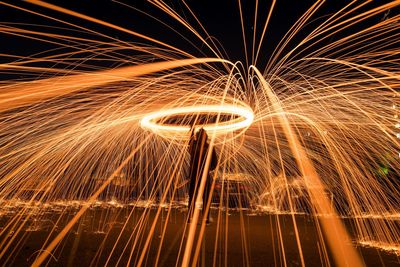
(233, 239)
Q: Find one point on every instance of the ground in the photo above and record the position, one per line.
(237, 238)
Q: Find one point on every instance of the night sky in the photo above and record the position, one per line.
(220, 18)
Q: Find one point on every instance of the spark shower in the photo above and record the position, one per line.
(94, 121)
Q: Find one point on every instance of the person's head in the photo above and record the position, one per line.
(201, 134)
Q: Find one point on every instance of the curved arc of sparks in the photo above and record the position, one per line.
(290, 33)
(359, 68)
(172, 28)
(345, 24)
(173, 14)
(337, 237)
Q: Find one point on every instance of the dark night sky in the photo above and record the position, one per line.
(220, 18)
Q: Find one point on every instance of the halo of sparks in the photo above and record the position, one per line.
(245, 118)
(318, 126)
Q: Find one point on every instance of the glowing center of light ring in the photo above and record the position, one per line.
(245, 115)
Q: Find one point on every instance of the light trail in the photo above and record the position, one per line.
(245, 119)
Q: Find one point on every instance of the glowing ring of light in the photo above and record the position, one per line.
(245, 118)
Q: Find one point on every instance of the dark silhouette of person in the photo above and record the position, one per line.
(198, 150)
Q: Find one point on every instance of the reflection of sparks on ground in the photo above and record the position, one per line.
(313, 133)
(386, 247)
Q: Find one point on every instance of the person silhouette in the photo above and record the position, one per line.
(198, 150)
